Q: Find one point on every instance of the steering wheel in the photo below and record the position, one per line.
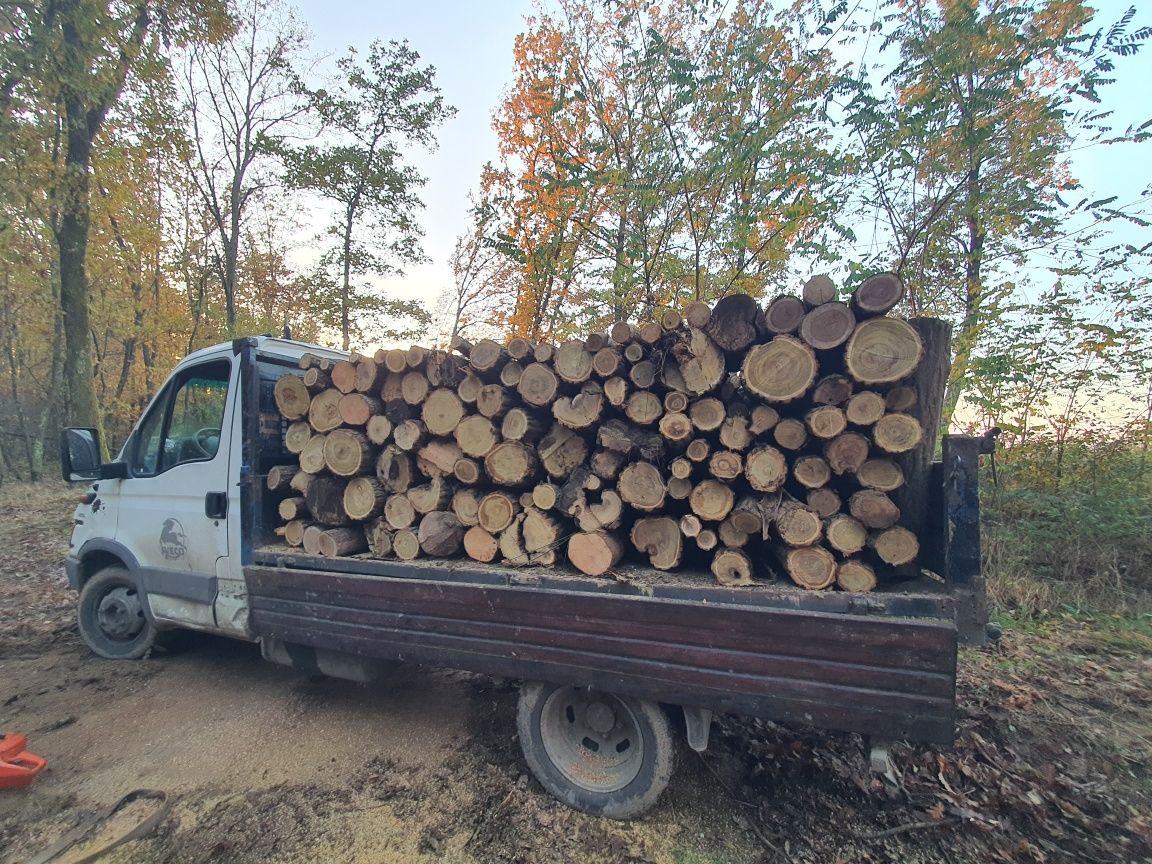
(202, 442)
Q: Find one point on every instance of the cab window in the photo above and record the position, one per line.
(184, 425)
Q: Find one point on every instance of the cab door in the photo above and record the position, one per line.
(174, 503)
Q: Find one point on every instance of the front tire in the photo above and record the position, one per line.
(111, 615)
(604, 754)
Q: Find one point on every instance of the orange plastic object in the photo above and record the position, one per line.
(18, 767)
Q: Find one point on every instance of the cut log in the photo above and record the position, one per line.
(294, 531)
(864, 408)
(811, 472)
(675, 402)
(828, 326)
(901, 398)
(732, 567)
(594, 553)
(846, 534)
(853, 575)
(325, 499)
(642, 485)
(443, 370)
(765, 469)
(725, 465)
(875, 509)
(466, 506)
(357, 408)
(762, 419)
(634, 352)
(846, 453)
(810, 567)
(790, 433)
(394, 469)
(496, 511)
(440, 534)
(697, 314)
(826, 502)
(784, 314)
(442, 411)
(410, 435)
(292, 397)
(735, 433)
(312, 456)
(486, 358)
(416, 356)
(406, 545)
(460, 345)
(659, 538)
(643, 408)
(379, 537)
(832, 390)
(519, 348)
(571, 500)
(622, 333)
(607, 362)
(296, 436)
(414, 387)
(399, 512)
(595, 341)
(520, 425)
(316, 380)
(884, 475)
(364, 498)
(347, 452)
(649, 332)
(438, 457)
(711, 500)
(896, 546)
(378, 429)
(561, 450)
(676, 429)
(581, 411)
(344, 376)
(469, 388)
(882, 351)
(669, 319)
(369, 376)
(605, 513)
(877, 295)
(643, 374)
(680, 468)
(342, 541)
(311, 538)
(573, 362)
(736, 322)
(544, 495)
(679, 488)
(494, 401)
(392, 389)
(730, 535)
(797, 525)
(707, 414)
(307, 360)
(544, 352)
(818, 290)
(436, 494)
(616, 391)
(324, 410)
(698, 450)
(292, 508)
(690, 525)
(826, 421)
(480, 546)
(606, 464)
(897, 433)
(706, 540)
(280, 477)
(694, 364)
(467, 471)
(511, 373)
(781, 370)
(476, 436)
(539, 531)
(301, 480)
(396, 360)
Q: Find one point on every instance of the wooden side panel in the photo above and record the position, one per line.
(893, 677)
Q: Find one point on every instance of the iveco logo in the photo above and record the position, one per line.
(173, 541)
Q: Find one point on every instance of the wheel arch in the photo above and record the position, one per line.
(96, 554)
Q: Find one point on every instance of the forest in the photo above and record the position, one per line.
(160, 158)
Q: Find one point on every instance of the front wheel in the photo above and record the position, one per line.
(604, 754)
(112, 618)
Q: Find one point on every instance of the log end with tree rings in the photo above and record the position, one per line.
(784, 314)
(324, 410)
(811, 567)
(864, 408)
(877, 295)
(476, 436)
(828, 326)
(697, 314)
(406, 544)
(707, 414)
(511, 463)
(846, 534)
(856, 576)
(538, 385)
(594, 553)
(766, 469)
(711, 500)
(573, 362)
(896, 546)
(496, 511)
(659, 538)
(832, 390)
(442, 411)
(291, 396)
(736, 322)
(642, 485)
(732, 568)
(480, 545)
(487, 356)
(347, 452)
(818, 290)
(364, 498)
(811, 472)
(826, 421)
(790, 434)
(847, 452)
(781, 370)
(826, 502)
(797, 525)
(875, 509)
(296, 436)
(883, 351)
(884, 475)
(897, 433)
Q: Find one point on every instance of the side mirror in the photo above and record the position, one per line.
(80, 454)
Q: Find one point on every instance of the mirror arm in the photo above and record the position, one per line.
(114, 471)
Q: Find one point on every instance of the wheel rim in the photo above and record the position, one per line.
(120, 614)
(592, 738)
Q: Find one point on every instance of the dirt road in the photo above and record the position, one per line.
(265, 764)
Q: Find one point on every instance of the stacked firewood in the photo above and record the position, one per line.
(737, 434)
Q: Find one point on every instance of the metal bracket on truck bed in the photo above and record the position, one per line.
(698, 723)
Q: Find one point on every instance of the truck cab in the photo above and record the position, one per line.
(162, 525)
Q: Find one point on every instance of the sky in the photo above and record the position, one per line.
(470, 44)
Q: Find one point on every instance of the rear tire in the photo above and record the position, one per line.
(605, 754)
(111, 615)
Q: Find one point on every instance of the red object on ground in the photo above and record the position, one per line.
(18, 767)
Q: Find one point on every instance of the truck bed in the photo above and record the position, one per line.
(882, 663)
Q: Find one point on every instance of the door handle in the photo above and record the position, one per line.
(216, 505)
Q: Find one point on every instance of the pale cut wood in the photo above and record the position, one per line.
(440, 534)
(643, 408)
(364, 498)
(406, 545)
(594, 553)
(519, 348)
(526, 500)
(344, 376)
(676, 428)
(735, 433)
(311, 538)
(606, 464)
(790, 433)
(595, 341)
(832, 390)
(467, 471)
(607, 362)
(325, 499)
(826, 421)
(466, 506)
(695, 364)
(725, 465)
(781, 370)
(877, 295)
(616, 391)
(854, 575)
(520, 425)
(883, 475)
(605, 513)
(410, 435)
(765, 469)
(379, 537)
(810, 567)
(679, 488)
(494, 401)
(324, 410)
(496, 511)
(697, 314)
(433, 495)
(634, 352)
(369, 376)
(828, 326)
(680, 468)
(659, 538)
(711, 500)
(539, 531)
(581, 411)
(280, 477)
(544, 352)
(846, 534)
(378, 429)
(460, 345)
(675, 402)
(826, 502)
(487, 357)
(316, 380)
(480, 545)
(511, 373)
(707, 414)
(414, 387)
(357, 408)
(762, 419)
(342, 541)
(897, 433)
(698, 450)
(394, 469)
(730, 535)
(442, 411)
(573, 362)
(669, 319)
(511, 463)
(476, 436)
(622, 333)
(292, 508)
(642, 485)
(846, 453)
(732, 567)
(399, 512)
(544, 495)
(396, 360)
(307, 360)
(392, 390)
(811, 472)
(296, 436)
(749, 514)
(797, 525)
(438, 457)
(312, 456)
(706, 540)
(819, 289)
(896, 546)
(649, 332)
(883, 351)
(469, 388)
(561, 450)
(875, 509)
(301, 480)
(784, 314)
(864, 408)
(294, 531)
(690, 525)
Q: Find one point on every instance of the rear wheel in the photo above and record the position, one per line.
(112, 618)
(604, 754)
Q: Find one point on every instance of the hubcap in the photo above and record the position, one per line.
(120, 614)
(592, 738)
